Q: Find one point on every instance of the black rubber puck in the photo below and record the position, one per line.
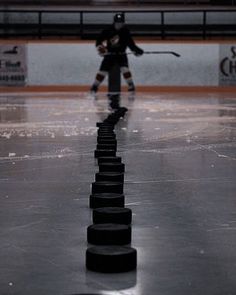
(112, 119)
(111, 167)
(110, 176)
(106, 136)
(109, 234)
(107, 187)
(101, 146)
(102, 124)
(104, 153)
(106, 200)
(107, 141)
(112, 215)
(121, 112)
(105, 132)
(109, 160)
(106, 127)
(111, 259)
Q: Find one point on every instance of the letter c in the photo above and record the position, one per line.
(222, 66)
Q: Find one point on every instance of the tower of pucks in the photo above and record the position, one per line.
(110, 234)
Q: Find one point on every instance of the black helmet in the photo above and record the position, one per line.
(119, 18)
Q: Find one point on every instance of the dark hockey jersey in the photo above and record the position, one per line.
(117, 40)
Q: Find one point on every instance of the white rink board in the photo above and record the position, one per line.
(77, 64)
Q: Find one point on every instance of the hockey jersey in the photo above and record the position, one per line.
(117, 41)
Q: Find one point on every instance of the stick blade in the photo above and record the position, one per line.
(176, 54)
(163, 52)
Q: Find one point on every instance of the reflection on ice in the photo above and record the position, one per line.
(179, 151)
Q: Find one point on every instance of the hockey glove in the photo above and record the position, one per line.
(138, 52)
(101, 50)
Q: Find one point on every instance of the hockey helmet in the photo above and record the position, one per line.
(119, 18)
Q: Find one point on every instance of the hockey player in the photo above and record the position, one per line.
(112, 44)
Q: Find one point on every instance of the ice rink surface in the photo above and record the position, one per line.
(180, 182)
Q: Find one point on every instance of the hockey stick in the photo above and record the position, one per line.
(162, 52)
(147, 52)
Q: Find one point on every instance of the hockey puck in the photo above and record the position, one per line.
(111, 259)
(106, 127)
(102, 124)
(112, 215)
(107, 187)
(109, 160)
(112, 119)
(101, 146)
(106, 200)
(107, 141)
(121, 112)
(104, 153)
(105, 132)
(109, 234)
(106, 136)
(111, 167)
(109, 176)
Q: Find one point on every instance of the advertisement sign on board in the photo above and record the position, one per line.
(13, 65)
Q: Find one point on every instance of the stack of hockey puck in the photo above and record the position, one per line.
(110, 233)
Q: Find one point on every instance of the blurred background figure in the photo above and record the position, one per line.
(111, 45)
